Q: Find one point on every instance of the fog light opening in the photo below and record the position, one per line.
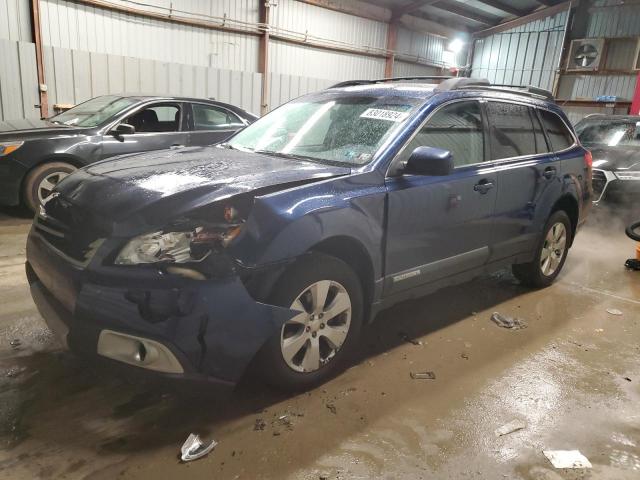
(142, 352)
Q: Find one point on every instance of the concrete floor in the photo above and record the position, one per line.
(573, 376)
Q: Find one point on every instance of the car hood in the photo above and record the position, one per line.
(614, 158)
(159, 185)
(24, 129)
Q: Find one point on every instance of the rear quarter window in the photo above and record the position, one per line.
(557, 131)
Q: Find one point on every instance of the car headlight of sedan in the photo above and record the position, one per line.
(627, 175)
(181, 246)
(8, 147)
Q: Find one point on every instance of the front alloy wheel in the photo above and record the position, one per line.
(48, 183)
(317, 342)
(311, 339)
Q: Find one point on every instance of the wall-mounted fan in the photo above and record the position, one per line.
(585, 54)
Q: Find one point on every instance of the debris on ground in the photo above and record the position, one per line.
(332, 408)
(13, 372)
(15, 343)
(567, 459)
(405, 337)
(512, 426)
(193, 448)
(614, 311)
(505, 321)
(423, 375)
(599, 330)
(627, 379)
(259, 425)
(465, 356)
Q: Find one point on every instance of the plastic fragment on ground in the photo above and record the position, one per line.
(193, 448)
(512, 426)
(614, 311)
(511, 323)
(567, 459)
(423, 375)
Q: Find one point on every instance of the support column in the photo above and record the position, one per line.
(263, 55)
(635, 102)
(37, 39)
(392, 40)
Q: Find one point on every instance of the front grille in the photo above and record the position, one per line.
(69, 229)
(599, 181)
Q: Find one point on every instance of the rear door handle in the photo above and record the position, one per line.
(177, 145)
(483, 186)
(549, 172)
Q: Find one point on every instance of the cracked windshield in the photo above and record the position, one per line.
(342, 130)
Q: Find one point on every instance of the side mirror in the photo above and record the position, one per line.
(123, 129)
(430, 161)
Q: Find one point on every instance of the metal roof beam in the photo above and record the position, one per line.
(505, 7)
(465, 12)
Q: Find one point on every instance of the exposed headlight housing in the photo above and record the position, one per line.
(173, 247)
(627, 175)
(8, 147)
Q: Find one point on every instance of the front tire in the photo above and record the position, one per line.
(41, 180)
(316, 344)
(551, 253)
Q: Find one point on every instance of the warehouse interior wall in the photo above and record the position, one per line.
(524, 55)
(90, 50)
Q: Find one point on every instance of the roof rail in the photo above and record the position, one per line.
(456, 83)
(527, 90)
(448, 83)
(351, 83)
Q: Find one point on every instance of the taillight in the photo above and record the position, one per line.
(588, 159)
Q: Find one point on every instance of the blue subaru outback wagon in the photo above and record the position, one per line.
(279, 245)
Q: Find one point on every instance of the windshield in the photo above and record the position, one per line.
(617, 133)
(94, 112)
(345, 130)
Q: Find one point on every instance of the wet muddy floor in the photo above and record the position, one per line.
(572, 377)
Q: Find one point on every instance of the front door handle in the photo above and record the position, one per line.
(177, 145)
(549, 173)
(483, 186)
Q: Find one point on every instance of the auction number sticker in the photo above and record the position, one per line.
(380, 114)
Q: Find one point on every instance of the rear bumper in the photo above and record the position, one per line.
(11, 176)
(212, 328)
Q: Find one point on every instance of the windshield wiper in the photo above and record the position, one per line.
(285, 155)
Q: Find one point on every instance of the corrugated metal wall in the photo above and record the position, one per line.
(15, 20)
(91, 51)
(525, 55)
(75, 76)
(404, 69)
(18, 80)
(80, 27)
(294, 59)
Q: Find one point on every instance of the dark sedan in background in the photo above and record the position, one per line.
(614, 141)
(36, 155)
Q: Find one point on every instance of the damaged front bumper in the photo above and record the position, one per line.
(196, 329)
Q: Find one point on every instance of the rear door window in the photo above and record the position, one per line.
(557, 131)
(511, 128)
(456, 127)
(207, 117)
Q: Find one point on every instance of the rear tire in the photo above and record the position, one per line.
(41, 180)
(317, 344)
(551, 253)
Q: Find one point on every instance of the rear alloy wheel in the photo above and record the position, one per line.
(41, 181)
(316, 343)
(551, 253)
